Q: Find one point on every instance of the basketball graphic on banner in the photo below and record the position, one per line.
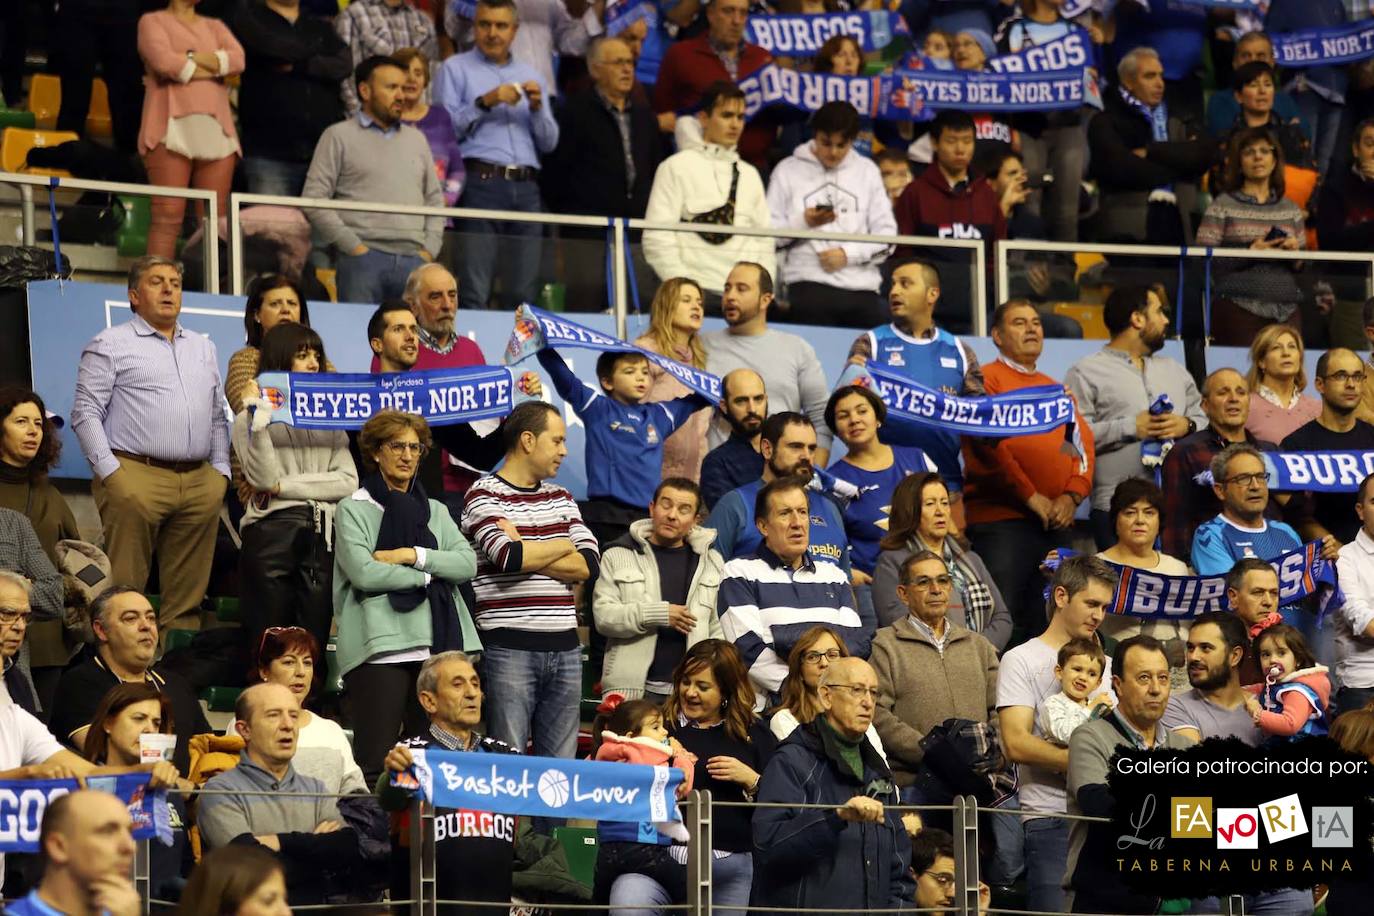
(553, 788)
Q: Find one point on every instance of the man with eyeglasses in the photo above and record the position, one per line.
(28, 570)
(1141, 684)
(929, 669)
(15, 615)
(1329, 517)
(1240, 530)
(932, 862)
(855, 853)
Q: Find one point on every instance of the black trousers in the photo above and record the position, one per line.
(817, 303)
(648, 859)
(384, 708)
(14, 23)
(114, 42)
(286, 575)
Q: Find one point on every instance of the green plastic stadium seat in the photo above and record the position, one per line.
(179, 639)
(221, 699)
(579, 844)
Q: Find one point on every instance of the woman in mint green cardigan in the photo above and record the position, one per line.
(398, 560)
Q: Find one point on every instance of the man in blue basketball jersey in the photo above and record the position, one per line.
(1240, 531)
(914, 347)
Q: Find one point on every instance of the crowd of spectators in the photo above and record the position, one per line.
(816, 632)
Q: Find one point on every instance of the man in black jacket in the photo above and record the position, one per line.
(86, 31)
(289, 93)
(1145, 162)
(609, 147)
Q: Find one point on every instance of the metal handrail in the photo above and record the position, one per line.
(26, 184)
(1004, 249)
(617, 226)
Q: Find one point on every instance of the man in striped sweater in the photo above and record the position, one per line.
(768, 600)
(532, 550)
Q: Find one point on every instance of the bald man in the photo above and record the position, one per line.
(736, 461)
(1187, 503)
(850, 856)
(1330, 517)
(87, 845)
(288, 813)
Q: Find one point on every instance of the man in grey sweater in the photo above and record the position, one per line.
(792, 375)
(307, 833)
(374, 157)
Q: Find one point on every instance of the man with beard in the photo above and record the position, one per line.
(913, 346)
(1023, 491)
(787, 442)
(1111, 396)
(1328, 517)
(1141, 683)
(1187, 501)
(376, 157)
(431, 292)
(1215, 708)
(791, 373)
(736, 461)
(770, 597)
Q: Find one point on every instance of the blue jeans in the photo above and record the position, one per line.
(487, 245)
(1287, 902)
(374, 275)
(1324, 119)
(274, 176)
(1008, 860)
(533, 695)
(1047, 852)
(1349, 698)
(732, 877)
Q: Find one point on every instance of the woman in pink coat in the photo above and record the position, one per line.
(187, 138)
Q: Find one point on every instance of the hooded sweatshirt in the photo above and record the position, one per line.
(1296, 706)
(969, 210)
(697, 181)
(855, 189)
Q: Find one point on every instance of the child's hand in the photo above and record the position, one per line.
(675, 749)
(1253, 707)
(1102, 699)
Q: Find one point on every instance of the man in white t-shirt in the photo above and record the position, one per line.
(1080, 594)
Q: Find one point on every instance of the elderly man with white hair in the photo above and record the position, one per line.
(29, 585)
(1146, 162)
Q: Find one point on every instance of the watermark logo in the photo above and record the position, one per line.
(1283, 818)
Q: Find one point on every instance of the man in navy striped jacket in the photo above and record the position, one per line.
(767, 601)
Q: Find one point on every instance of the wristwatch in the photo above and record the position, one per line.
(482, 103)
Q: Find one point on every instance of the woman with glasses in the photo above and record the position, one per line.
(398, 560)
(290, 656)
(808, 660)
(1251, 212)
(711, 714)
(29, 448)
(929, 669)
(1277, 382)
(919, 520)
(297, 477)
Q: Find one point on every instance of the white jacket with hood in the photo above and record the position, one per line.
(855, 189)
(629, 608)
(695, 181)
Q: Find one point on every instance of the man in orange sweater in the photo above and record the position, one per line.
(1021, 492)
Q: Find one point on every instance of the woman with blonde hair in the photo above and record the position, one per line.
(398, 560)
(1277, 381)
(674, 332)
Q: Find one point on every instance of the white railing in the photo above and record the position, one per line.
(210, 225)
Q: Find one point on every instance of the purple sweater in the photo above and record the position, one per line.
(437, 127)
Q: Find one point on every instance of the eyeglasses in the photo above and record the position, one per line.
(1255, 152)
(925, 582)
(279, 631)
(9, 616)
(812, 657)
(942, 878)
(856, 691)
(407, 448)
(1246, 479)
(1341, 378)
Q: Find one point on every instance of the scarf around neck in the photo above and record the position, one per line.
(405, 523)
